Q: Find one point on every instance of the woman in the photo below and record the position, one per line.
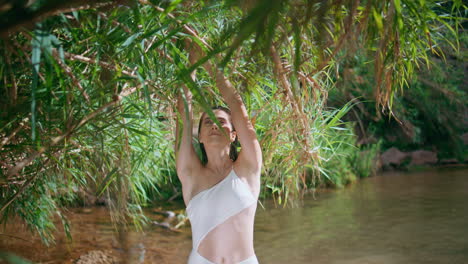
(221, 195)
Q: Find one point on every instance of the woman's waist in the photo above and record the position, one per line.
(196, 258)
(227, 248)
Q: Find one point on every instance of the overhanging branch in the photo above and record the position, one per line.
(26, 161)
(52, 8)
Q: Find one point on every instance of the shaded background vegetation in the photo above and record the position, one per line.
(89, 91)
(431, 113)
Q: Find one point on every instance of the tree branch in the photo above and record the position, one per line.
(106, 65)
(52, 8)
(8, 138)
(70, 74)
(281, 76)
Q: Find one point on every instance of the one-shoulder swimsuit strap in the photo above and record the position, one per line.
(213, 206)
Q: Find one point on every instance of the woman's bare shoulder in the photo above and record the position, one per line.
(249, 176)
(194, 182)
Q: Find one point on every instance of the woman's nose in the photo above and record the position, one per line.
(214, 126)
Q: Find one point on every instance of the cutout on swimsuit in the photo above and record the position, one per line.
(213, 206)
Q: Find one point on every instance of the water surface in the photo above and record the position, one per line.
(417, 217)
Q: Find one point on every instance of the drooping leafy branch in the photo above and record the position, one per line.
(89, 89)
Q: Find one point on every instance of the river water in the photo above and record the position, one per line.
(411, 217)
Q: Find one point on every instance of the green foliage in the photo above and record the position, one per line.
(343, 160)
(428, 115)
(36, 206)
(89, 96)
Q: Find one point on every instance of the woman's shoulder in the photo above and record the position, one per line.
(247, 169)
(248, 175)
(194, 176)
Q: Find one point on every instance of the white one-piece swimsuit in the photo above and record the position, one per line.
(212, 207)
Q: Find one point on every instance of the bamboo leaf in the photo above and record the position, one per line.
(111, 176)
(378, 19)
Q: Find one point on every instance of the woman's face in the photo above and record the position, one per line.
(210, 133)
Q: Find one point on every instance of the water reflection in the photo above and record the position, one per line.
(397, 218)
(419, 217)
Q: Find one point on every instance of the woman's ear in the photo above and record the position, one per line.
(233, 136)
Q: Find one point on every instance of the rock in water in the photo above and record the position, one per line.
(98, 257)
(421, 157)
(393, 157)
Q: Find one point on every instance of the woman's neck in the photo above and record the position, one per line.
(218, 159)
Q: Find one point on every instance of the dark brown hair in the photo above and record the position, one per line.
(233, 154)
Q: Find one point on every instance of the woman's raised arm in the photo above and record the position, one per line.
(251, 154)
(186, 157)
